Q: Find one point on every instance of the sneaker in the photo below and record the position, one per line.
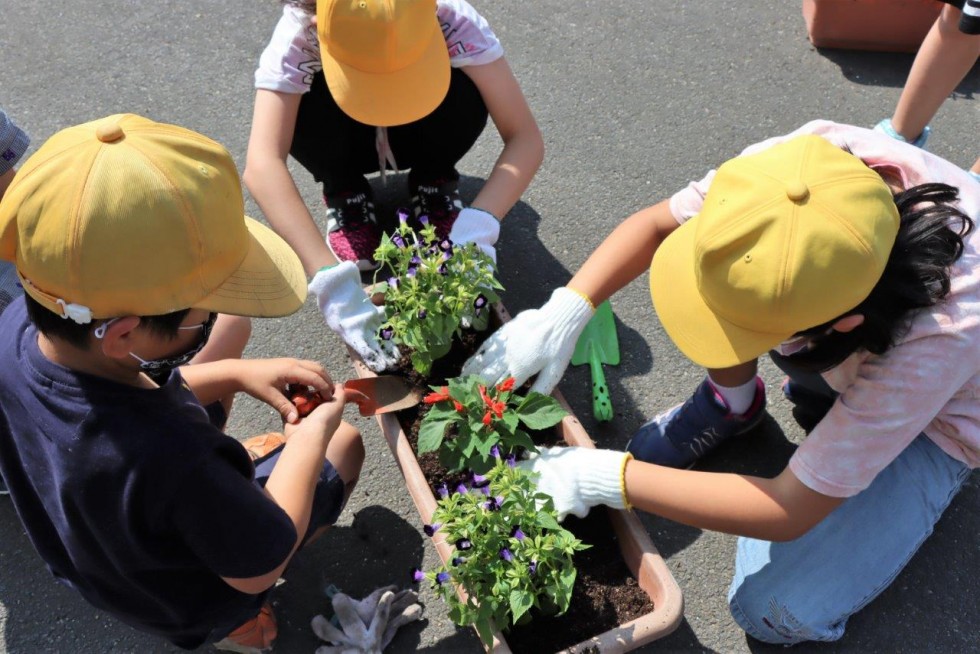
(885, 127)
(255, 636)
(809, 407)
(264, 444)
(682, 435)
(440, 201)
(352, 229)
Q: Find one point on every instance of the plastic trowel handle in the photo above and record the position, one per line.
(601, 404)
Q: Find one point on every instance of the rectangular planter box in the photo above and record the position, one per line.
(639, 553)
(883, 25)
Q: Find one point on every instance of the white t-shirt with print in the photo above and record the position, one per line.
(292, 57)
(929, 382)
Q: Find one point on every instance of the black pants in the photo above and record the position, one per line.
(339, 151)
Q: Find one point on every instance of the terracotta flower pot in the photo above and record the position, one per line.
(884, 25)
(639, 553)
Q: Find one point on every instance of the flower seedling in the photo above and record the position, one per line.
(468, 419)
(510, 553)
(303, 398)
(436, 288)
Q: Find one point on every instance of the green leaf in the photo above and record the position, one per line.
(431, 433)
(539, 411)
(520, 602)
(547, 521)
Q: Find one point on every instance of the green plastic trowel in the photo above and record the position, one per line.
(599, 345)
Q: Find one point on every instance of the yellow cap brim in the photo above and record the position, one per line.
(390, 99)
(698, 332)
(270, 282)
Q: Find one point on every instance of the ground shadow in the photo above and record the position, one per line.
(889, 69)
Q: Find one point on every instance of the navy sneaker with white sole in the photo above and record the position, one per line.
(685, 433)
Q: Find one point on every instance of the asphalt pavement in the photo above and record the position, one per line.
(635, 99)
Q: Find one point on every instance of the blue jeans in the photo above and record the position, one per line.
(806, 589)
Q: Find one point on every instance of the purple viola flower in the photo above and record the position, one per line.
(485, 490)
(480, 301)
(443, 491)
(430, 530)
(506, 555)
(458, 560)
(442, 270)
(495, 451)
(442, 578)
(464, 544)
(479, 481)
(417, 575)
(517, 533)
(412, 271)
(462, 489)
(386, 333)
(402, 215)
(424, 219)
(511, 460)
(446, 256)
(446, 245)
(422, 314)
(398, 241)
(393, 282)
(494, 503)
(532, 567)
(415, 260)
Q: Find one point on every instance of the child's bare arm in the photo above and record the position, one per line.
(293, 480)
(523, 146)
(263, 379)
(268, 180)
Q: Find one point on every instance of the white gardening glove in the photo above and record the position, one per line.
(536, 341)
(478, 227)
(578, 478)
(349, 312)
(367, 625)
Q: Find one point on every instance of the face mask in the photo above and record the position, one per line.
(159, 366)
(800, 344)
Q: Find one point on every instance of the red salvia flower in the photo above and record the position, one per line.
(440, 396)
(506, 385)
(460, 408)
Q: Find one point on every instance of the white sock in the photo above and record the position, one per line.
(739, 398)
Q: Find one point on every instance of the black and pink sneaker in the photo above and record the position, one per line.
(440, 201)
(352, 229)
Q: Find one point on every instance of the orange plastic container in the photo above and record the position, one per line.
(882, 25)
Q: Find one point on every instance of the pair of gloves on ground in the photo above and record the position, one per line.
(366, 626)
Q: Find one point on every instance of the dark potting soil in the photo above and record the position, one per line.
(605, 595)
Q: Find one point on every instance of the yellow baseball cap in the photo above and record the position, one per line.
(787, 239)
(385, 61)
(126, 216)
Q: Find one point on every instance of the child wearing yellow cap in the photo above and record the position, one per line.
(351, 88)
(130, 241)
(852, 260)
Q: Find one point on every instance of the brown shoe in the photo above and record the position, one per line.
(255, 636)
(258, 446)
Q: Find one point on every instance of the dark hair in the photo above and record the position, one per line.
(930, 239)
(54, 326)
(305, 5)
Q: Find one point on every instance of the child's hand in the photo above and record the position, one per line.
(267, 379)
(325, 417)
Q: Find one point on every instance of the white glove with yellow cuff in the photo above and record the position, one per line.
(578, 478)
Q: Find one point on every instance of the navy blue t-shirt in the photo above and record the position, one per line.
(131, 496)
